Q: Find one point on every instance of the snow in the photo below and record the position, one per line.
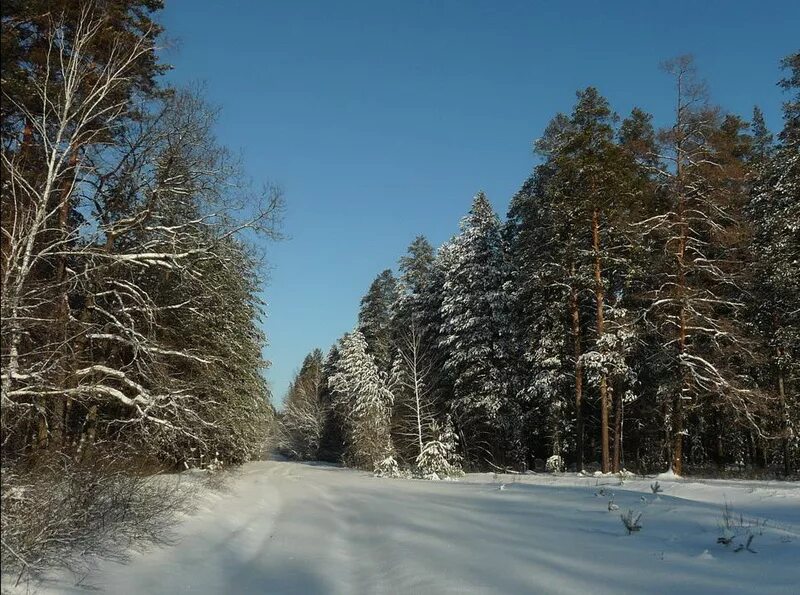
(668, 475)
(286, 527)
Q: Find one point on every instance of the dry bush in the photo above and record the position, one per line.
(62, 513)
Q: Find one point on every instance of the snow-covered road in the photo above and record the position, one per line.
(287, 527)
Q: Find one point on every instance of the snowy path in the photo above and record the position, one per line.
(303, 528)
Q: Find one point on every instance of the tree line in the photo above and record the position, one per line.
(130, 267)
(130, 273)
(639, 307)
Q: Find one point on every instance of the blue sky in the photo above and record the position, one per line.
(381, 120)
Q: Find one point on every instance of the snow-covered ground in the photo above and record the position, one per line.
(299, 528)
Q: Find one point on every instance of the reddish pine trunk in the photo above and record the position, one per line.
(617, 431)
(600, 297)
(677, 410)
(576, 338)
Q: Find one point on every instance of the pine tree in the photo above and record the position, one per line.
(582, 189)
(696, 301)
(571, 242)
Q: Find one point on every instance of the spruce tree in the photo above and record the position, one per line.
(375, 316)
(305, 412)
(416, 268)
(474, 330)
(774, 214)
(333, 440)
(365, 403)
(544, 367)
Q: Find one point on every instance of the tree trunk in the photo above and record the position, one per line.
(617, 431)
(787, 467)
(599, 292)
(57, 436)
(57, 424)
(677, 409)
(677, 436)
(41, 424)
(88, 436)
(576, 338)
(418, 405)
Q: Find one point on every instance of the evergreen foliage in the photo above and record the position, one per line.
(375, 315)
(439, 458)
(130, 280)
(637, 308)
(473, 332)
(365, 402)
(305, 411)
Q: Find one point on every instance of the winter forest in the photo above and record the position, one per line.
(636, 311)
(638, 308)
(130, 272)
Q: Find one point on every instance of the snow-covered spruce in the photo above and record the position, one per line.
(439, 458)
(364, 402)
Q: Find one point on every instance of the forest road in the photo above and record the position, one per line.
(309, 528)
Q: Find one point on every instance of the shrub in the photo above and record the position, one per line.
(631, 521)
(54, 513)
(439, 459)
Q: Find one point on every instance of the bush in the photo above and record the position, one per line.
(631, 521)
(56, 513)
(738, 531)
(387, 467)
(439, 459)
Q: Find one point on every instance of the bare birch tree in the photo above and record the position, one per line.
(410, 383)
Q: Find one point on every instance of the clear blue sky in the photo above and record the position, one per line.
(381, 120)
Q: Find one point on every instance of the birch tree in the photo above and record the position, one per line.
(120, 221)
(410, 382)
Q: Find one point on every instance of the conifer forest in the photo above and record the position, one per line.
(634, 313)
(638, 307)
